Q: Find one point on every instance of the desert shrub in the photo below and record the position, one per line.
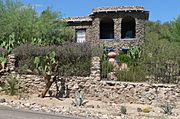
(123, 110)
(123, 58)
(73, 58)
(97, 50)
(133, 74)
(106, 68)
(11, 86)
(3, 51)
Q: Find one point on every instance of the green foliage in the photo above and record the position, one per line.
(97, 50)
(134, 53)
(9, 43)
(21, 24)
(3, 61)
(124, 58)
(161, 53)
(174, 30)
(167, 108)
(79, 98)
(106, 68)
(132, 74)
(45, 64)
(123, 110)
(11, 86)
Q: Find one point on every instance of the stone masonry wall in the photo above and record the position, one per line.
(93, 28)
(140, 19)
(107, 91)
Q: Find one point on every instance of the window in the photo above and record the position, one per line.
(107, 28)
(128, 28)
(80, 35)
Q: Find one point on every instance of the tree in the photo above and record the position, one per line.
(174, 31)
(21, 24)
(160, 52)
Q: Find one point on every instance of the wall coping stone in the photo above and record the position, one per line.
(140, 83)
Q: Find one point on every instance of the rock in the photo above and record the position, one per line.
(98, 106)
(104, 117)
(2, 100)
(139, 109)
(27, 104)
(90, 106)
(75, 87)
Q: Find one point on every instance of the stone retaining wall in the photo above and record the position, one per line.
(107, 91)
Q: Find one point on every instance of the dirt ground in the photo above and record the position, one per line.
(99, 108)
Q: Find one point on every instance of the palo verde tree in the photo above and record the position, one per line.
(21, 24)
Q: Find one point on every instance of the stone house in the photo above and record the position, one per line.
(117, 26)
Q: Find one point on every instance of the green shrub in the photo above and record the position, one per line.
(106, 68)
(123, 109)
(123, 58)
(11, 86)
(135, 53)
(133, 74)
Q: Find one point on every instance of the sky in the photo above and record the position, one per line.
(163, 10)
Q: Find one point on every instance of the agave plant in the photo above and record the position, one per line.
(123, 109)
(11, 86)
(167, 108)
(79, 98)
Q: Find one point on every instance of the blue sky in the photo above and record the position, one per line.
(163, 10)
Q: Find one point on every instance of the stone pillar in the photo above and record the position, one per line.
(11, 62)
(117, 29)
(96, 30)
(95, 68)
(139, 30)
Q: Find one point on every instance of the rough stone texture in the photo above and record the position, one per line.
(107, 91)
(93, 27)
(118, 8)
(11, 62)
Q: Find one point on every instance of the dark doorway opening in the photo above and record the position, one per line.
(128, 28)
(107, 28)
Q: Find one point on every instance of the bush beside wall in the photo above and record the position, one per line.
(74, 59)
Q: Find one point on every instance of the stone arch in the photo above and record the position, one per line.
(106, 28)
(128, 27)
